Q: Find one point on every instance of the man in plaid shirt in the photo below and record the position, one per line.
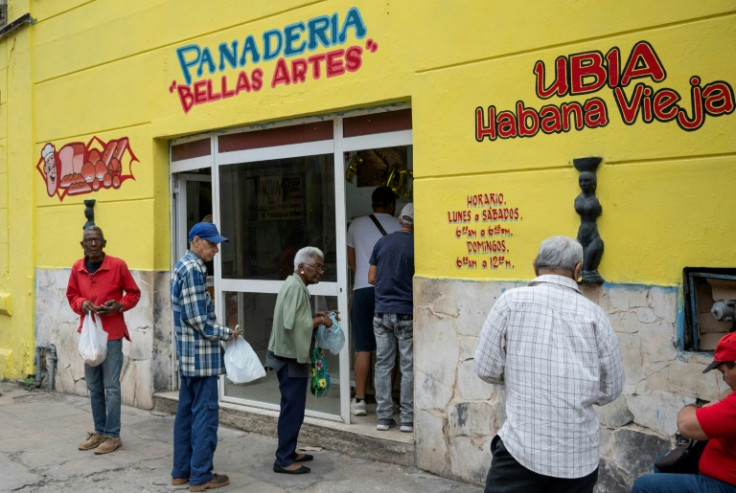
(198, 336)
(557, 355)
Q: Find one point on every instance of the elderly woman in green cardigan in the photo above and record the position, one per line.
(289, 350)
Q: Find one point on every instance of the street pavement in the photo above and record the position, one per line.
(40, 431)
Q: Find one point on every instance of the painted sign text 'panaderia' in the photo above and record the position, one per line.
(298, 51)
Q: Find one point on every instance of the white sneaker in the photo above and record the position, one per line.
(407, 427)
(385, 424)
(357, 408)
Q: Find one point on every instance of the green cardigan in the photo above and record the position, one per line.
(293, 324)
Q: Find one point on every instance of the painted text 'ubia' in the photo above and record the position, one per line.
(589, 72)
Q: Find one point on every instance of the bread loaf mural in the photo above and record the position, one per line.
(78, 168)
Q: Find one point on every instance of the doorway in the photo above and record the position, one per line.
(273, 190)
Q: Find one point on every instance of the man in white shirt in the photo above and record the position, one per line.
(556, 354)
(363, 234)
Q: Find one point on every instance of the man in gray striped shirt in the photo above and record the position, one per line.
(557, 355)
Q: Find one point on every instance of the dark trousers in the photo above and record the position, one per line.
(293, 403)
(195, 429)
(508, 476)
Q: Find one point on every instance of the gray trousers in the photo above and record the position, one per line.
(394, 330)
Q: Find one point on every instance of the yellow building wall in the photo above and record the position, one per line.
(16, 203)
(108, 70)
(664, 191)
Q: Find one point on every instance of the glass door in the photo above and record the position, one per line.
(269, 209)
(192, 203)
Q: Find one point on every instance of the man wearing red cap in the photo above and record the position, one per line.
(716, 423)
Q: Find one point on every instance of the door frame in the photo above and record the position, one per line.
(338, 146)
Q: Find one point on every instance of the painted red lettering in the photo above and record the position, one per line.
(629, 109)
(299, 70)
(664, 104)
(200, 91)
(697, 106)
(643, 62)
(242, 84)
(483, 129)
(718, 98)
(587, 73)
(527, 116)
(595, 113)
(315, 61)
(353, 58)
(280, 74)
(613, 60)
(646, 105)
(559, 85)
(185, 97)
(211, 96)
(506, 124)
(335, 64)
(551, 122)
(226, 93)
(570, 110)
(257, 77)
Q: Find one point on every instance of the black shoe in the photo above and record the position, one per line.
(303, 458)
(301, 470)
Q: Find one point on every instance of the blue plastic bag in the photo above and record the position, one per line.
(331, 338)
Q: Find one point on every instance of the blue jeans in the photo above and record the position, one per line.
(103, 384)
(394, 330)
(680, 483)
(195, 429)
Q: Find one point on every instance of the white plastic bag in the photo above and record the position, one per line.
(241, 362)
(93, 341)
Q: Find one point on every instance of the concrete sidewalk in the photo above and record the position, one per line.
(39, 433)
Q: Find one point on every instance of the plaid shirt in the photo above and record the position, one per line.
(198, 334)
(557, 355)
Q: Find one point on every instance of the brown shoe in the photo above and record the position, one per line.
(92, 441)
(217, 481)
(109, 444)
(179, 481)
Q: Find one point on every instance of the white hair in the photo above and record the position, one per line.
(307, 254)
(559, 252)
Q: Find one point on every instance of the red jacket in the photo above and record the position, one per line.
(107, 283)
(719, 424)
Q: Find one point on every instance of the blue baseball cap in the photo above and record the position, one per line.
(206, 231)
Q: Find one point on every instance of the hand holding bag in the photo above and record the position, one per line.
(242, 364)
(331, 338)
(92, 345)
(683, 459)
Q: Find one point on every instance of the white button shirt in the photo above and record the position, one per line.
(557, 355)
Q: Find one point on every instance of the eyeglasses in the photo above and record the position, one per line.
(319, 268)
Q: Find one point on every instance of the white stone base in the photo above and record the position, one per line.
(149, 356)
(458, 414)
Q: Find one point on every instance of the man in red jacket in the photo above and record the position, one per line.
(102, 285)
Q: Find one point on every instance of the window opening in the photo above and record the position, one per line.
(709, 294)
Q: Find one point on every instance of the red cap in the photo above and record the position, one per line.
(725, 351)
